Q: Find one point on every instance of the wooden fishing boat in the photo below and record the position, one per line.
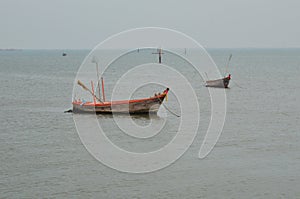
(219, 83)
(134, 106)
(223, 82)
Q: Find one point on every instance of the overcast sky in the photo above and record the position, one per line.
(67, 24)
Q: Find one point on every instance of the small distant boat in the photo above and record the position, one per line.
(223, 82)
(64, 54)
(219, 83)
(135, 106)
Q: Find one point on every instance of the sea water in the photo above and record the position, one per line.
(257, 155)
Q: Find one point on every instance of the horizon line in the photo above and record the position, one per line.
(15, 49)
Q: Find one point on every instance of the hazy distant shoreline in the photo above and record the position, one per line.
(10, 49)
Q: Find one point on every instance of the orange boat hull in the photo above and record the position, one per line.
(146, 105)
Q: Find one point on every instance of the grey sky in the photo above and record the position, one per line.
(77, 24)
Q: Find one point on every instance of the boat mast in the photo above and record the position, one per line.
(94, 98)
(98, 79)
(226, 67)
(86, 88)
(103, 95)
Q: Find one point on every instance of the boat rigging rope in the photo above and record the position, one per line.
(165, 106)
(170, 110)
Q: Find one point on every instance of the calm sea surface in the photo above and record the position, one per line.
(257, 155)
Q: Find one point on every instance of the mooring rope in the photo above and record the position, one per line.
(165, 106)
(170, 110)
